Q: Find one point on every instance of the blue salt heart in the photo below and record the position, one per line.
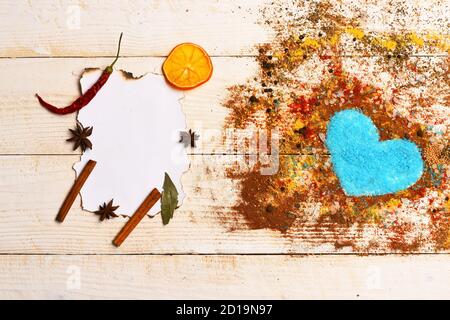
(365, 165)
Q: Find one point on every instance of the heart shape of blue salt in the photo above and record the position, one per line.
(365, 165)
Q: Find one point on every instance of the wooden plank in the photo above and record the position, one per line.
(26, 128)
(224, 277)
(32, 189)
(231, 27)
(151, 28)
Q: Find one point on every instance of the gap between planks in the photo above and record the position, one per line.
(220, 254)
(424, 55)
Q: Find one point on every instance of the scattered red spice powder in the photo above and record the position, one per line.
(301, 112)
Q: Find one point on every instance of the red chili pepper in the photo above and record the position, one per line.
(83, 100)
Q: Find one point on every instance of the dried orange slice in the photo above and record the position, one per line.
(187, 66)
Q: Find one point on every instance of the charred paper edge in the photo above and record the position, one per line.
(130, 76)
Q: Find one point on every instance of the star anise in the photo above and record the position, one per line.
(106, 211)
(189, 138)
(80, 137)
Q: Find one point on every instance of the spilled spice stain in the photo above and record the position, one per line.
(265, 212)
(305, 76)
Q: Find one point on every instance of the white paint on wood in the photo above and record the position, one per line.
(151, 28)
(224, 277)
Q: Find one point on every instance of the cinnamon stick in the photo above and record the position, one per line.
(78, 184)
(140, 213)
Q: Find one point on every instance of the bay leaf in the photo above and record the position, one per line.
(169, 199)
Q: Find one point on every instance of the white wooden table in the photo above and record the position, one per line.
(44, 47)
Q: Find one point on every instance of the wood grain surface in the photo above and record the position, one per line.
(45, 46)
(218, 276)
